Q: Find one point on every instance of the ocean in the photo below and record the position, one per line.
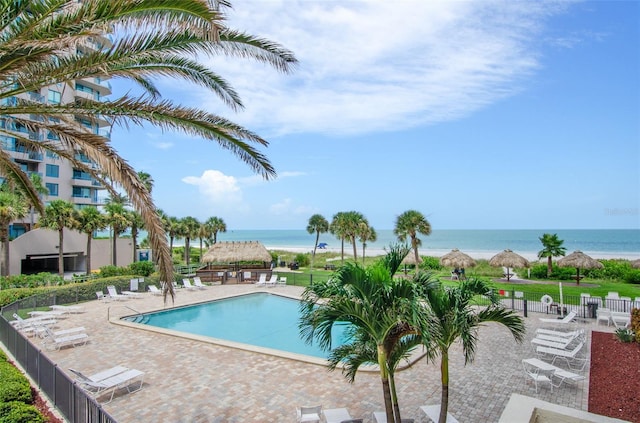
(598, 243)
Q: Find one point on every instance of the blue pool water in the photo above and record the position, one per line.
(260, 319)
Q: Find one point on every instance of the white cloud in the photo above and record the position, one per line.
(162, 145)
(287, 207)
(220, 190)
(368, 66)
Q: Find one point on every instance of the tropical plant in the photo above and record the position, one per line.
(189, 229)
(552, 248)
(12, 207)
(38, 50)
(118, 219)
(366, 233)
(319, 225)
(410, 223)
(135, 223)
(89, 220)
(384, 315)
(215, 225)
(338, 229)
(41, 190)
(455, 316)
(147, 180)
(59, 214)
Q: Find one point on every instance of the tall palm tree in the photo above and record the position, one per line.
(38, 49)
(147, 180)
(366, 233)
(454, 316)
(215, 225)
(381, 311)
(12, 207)
(59, 214)
(318, 225)
(410, 223)
(136, 224)
(351, 227)
(118, 218)
(552, 248)
(190, 227)
(41, 190)
(89, 220)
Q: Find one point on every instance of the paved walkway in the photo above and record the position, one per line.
(193, 381)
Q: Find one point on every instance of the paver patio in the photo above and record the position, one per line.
(192, 381)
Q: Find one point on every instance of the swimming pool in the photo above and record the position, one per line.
(258, 319)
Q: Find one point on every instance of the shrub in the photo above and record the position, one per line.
(430, 263)
(632, 276)
(19, 412)
(635, 322)
(625, 335)
(14, 386)
(141, 268)
(302, 259)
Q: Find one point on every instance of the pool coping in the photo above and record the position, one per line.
(416, 355)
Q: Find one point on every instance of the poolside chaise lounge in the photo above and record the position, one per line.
(31, 325)
(154, 290)
(273, 281)
(569, 356)
(50, 314)
(535, 366)
(60, 333)
(262, 280)
(113, 294)
(433, 413)
(110, 381)
(197, 282)
(187, 284)
(67, 308)
(336, 415)
(566, 319)
(51, 341)
(308, 414)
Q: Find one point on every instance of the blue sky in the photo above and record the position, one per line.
(480, 115)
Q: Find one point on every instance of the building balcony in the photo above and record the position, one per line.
(101, 86)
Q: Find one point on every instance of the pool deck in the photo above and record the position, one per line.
(193, 381)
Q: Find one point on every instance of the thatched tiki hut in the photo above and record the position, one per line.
(231, 262)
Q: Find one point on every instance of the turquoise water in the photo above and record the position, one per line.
(260, 319)
(622, 241)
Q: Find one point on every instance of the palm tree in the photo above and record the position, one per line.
(381, 311)
(41, 189)
(135, 223)
(190, 227)
(215, 225)
(118, 219)
(410, 223)
(38, 49)
(319, 225)
(552, 248)
(336, 228)
(147, 180)
(351, 227)
(12, 207)
(366, 233)
(59, 214)
(89, 220)
(454, 316)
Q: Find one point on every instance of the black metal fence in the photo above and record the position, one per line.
(74, 403)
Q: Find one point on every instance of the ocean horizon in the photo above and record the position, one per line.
(478, 243)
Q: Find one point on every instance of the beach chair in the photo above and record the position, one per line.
(604, 315)
(621, 319)
(307, 414)
(571, 357)
(113, 294)
(272, 281)
(68, 309)
(154, 290)
(197, 282)
(336, 415)
(282, 281)
(262, 281)
(124, 379)
(565, 320)
(51, 341)
(187, 284)
(551, 371)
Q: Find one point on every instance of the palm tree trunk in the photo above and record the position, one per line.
(60, 253)
(134, 238)
(89, 236)
(187, 251)
(549, 266)
(384, 378)
(355, 248)
(444, 401)
(200, 251)
(342, 250)
(114, 250)
(316, 246)
(394, 397)
(5, 253)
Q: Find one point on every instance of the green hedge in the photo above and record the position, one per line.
(15, 396)
(19, 412)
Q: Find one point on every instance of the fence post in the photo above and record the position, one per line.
(311, 279)
(525, 307)
(513, 299)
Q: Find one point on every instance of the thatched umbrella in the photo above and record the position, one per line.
(410, 258)
(636, 264)
(232, 252)
(508, 259)
(457, 258)
(579, 260)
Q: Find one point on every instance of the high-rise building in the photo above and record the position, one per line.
(62, 180)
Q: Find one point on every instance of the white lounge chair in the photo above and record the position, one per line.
(60, 333)
(560, 344)
(282, 281)
(538, 375)
(198, 283)
(97, 377)
(113, 293)
(336, 415)
(32, 325)
(621, 319)
(272, 281)
(309, 414)
(603, 315)
(187, 284)
(51, 314)
(566, 319)
(559, 333)
(124, 379)
(569, 356)
(52, 341)
(102, 296)
(433, 413)
(132, 294)
(262, 281)
(552, 371)
(67, 308)
(154, 290)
